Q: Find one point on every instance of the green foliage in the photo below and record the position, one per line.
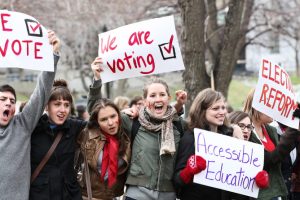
(22, 97)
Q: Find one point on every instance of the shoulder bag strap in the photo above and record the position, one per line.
(87, 177)
(46, 157)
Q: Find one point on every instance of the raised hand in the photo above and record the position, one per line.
(97, 68)
(194, 165)
(181, 98)
(54, 40)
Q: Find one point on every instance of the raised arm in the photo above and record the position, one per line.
(38, 99)
(95, 88)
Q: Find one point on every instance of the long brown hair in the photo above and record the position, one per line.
(205, 99)
(93, 121)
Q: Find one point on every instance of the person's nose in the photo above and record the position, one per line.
(110, 121)
(62, 108)
(8, 102)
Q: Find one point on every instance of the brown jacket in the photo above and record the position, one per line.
(91, 144)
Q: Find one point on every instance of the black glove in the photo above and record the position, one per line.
(297, 111)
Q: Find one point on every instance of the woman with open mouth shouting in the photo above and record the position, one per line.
(155, 136)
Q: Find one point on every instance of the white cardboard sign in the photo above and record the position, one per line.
(24, 43)
(140, 49)
(232, 164)
(274, 94)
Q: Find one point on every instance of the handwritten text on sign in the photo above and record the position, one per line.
(24, 43)
(139, 49)
(274, 94)
(232, 164)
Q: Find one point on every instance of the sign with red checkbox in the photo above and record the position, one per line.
(24, 43)
(144, 48)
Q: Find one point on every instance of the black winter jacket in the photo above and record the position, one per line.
(57, 180)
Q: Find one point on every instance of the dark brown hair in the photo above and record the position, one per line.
(93, 121)
(8, 88)
(60, 90)
(205, 99)
(237, 116)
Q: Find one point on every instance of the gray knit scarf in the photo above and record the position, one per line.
(164, 123)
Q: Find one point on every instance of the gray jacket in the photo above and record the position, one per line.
(15, 141)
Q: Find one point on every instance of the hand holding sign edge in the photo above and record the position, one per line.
(194, 165)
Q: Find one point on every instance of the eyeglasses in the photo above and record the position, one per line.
(243, 126)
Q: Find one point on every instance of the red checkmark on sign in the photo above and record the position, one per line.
(34, 28)
(169, 48)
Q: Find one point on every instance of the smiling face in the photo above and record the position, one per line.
(108, 120)
(157, 99)
(215, 114)
(7, 107)
(58, 111)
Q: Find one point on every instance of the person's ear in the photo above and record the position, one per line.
(46, 108)
(170, 97)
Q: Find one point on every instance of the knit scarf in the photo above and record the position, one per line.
(110, 159)
(164, 123)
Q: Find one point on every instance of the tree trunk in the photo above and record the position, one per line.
(297, 61)
(194, 76)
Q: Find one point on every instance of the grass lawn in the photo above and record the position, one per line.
(238, 91)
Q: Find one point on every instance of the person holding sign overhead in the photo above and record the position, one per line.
(208, 112)
(15, 131)
(267, 136)
(155, 136)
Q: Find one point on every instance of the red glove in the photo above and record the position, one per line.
(262, 179)
(194, 165)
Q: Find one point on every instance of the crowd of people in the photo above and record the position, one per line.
(138, 150)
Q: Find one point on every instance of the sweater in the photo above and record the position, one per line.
(15, 141)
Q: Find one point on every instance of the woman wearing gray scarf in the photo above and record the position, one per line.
(155, 144)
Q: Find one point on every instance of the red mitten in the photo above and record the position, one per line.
(262, 179)
(194, 165)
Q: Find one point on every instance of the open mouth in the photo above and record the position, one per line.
(158, 107)
(246, 137)
(6, 113)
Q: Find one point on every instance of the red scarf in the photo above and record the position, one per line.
(269, 145)
(110, 159)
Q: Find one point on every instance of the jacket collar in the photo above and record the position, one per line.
(44, 123)
(94, 133)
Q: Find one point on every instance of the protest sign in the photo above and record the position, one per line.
(24, 43)
(274, 95)
(139, 49)
(232, 164)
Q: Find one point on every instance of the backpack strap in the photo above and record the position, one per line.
(136, 125)
(134, 129)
